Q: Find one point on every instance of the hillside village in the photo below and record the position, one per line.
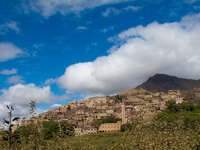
(137, 103)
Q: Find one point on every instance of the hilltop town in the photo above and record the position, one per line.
(137, 104)
(141, 103)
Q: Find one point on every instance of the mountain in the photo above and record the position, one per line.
(164, 83)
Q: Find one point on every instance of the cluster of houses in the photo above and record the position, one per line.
(136, 103)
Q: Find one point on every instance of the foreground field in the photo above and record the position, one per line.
(143, 138)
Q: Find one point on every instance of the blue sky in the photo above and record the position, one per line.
(56, 49)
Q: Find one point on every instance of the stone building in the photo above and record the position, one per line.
(112, 127)
(80, 131)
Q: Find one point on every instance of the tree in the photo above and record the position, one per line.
(10, 124)
(52, 129)
(118, 98)
(32, 106)
(35, 126)
(108, 119)
(126, 127)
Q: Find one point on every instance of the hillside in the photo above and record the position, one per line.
(164, 83)
(138, 103)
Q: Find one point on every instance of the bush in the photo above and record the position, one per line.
(185, 106)
(52, 129)
(109, 119)
(126, 127)
(67, 129)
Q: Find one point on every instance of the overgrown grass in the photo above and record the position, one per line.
(143, 137)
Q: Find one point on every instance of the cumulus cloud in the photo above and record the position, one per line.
(8, 71)
(51, 7)
(170, 48)
(20, 95)
(12, 25)
(9, 51)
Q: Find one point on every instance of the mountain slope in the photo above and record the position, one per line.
(163, 83)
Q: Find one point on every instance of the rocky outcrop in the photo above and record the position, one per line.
(164, 83)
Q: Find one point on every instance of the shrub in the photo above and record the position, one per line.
(126, 127)
(185, 106)
(53, 129)
(108, 119)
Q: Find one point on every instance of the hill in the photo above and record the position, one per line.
(164, 83)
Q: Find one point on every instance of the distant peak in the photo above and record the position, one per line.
(164, 82)
(161, 77)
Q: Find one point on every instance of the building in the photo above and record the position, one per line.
(80, 131)
(110, 127)
(113, 127)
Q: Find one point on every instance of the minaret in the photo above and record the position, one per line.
(123, 113)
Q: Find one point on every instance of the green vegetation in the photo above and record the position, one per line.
(126, 127)
(177, 128)
(109, 119)
(52, 129)
(10, 123)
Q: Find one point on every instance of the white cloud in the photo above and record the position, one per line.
(9, 51)
(12, 25)
(54, 106)
(51, 7)
(171, 48)
(114, 11)
(20, 95)
(132, 8)
(111, 11)
(15, 79)
(50, 81)
(20, 110)
(8, 71)
(81, 28)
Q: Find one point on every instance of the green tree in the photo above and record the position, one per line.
(108, 119)
(52, 129)
(126, 127)
(35, 136)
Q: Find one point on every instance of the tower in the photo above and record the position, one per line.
(123, 113)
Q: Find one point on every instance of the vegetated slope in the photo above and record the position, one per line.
(164, 83)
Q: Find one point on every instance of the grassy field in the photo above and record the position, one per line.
(144, 137)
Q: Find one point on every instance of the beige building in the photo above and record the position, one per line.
(111, 127)
(80, 131)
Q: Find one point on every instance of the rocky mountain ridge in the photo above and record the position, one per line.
(164, 83)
